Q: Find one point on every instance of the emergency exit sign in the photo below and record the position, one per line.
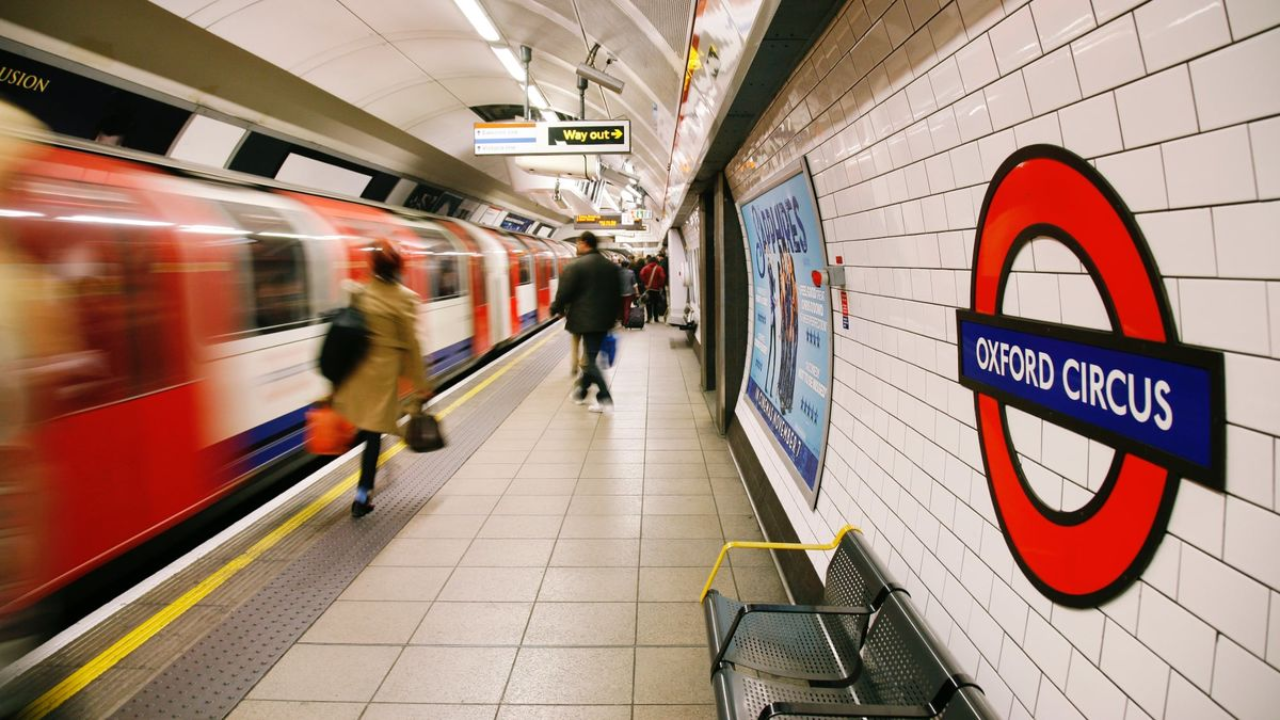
(574, 137)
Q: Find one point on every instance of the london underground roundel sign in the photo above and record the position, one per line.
(1158, 403)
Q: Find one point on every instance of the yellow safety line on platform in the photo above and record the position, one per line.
(724, 551)
(75, 682)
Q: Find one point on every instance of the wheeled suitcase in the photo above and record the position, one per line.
(636, 318)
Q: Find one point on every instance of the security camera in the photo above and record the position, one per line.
(600, 77)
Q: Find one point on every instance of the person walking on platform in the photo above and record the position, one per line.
(654, 280)
(589, 294)
(369, 397)
(629, 290)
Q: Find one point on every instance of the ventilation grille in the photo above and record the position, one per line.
(670, 18)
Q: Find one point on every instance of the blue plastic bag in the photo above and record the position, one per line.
(609, 349)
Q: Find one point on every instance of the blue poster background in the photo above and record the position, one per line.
(789, 381)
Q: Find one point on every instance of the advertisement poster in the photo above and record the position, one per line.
(789, 381)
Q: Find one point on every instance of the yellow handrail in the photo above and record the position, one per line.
(770, 546)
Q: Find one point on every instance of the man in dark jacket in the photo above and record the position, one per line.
(589, 295)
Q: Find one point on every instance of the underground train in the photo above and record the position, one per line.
(162, 331)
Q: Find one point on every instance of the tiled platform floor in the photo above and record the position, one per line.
(554, 577)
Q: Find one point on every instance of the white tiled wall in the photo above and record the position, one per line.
(1176, 103)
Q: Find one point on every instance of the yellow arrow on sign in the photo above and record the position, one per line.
(617, 134)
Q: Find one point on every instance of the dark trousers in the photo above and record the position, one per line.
(591, 374)
(369, 458)
(657, 305)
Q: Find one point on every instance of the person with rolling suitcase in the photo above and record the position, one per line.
(654, 280)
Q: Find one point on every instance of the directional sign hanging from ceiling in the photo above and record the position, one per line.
(578, 137)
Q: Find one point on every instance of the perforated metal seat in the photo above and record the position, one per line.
(903, 674)
(810, 642)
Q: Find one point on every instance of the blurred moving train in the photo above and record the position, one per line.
(160, 332)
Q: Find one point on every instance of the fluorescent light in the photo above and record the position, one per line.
(479, 20)
(19, 213)
(536, 99)
(114, 221)
(509, 61)
(212, 230)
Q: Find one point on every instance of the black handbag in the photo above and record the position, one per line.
(423, 433)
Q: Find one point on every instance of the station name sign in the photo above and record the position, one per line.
(614, 221)
(574, 137)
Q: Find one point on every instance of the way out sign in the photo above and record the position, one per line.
(1157, 403)
(576, 137)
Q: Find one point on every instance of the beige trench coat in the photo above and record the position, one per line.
(369, 398)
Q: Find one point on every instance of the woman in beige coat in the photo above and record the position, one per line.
(369, 398)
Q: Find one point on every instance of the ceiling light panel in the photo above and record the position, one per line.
(478, 19)
(509, 61)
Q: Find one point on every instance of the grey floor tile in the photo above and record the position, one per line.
(605, 504)
(286, 710)
(601, 526)
(443, 526)
(425, 674)
(542, 486)
(759, 584)
(537, 505)
(670, 712)
(565, 712)
(556, 456)
(366, 623)
(616, 486)
(681, 527)
(572, 442)
(668, 552)
(672, 676)
(422, 552)
(405, 711)
(733, 504)
(616, 443)
(676, 623)
(572, 552)
(572, 676)
(502, 455)
(683, 442)
(474, 486)
(407, 584)
(492, 585)
(679, 505)
(335, 673)
(614, 456)
(522, 526)
(485, 552)
(681, 584)
(722, 470)
(564, 584)
(741, 527)
(499, 471)
(459, 505)
(687, 457)
(483, 623)
(586, 624)
(624, 430)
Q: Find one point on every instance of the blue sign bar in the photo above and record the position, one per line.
(1157, 400)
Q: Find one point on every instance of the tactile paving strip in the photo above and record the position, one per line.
(215, 674)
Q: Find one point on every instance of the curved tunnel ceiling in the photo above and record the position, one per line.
(420, 65)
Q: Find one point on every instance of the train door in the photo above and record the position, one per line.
(497, 278)
(473, 267)
(524, 299)
(450, 319)
(544, 260)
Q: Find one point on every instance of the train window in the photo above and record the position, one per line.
(526, 269)
(273, 270)
(445, 266)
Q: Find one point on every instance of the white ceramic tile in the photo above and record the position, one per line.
(1174, 30)
(1014, 41)
(966, 163)
(1209, 168)
(1232, 602)
(1108, 57)
(1092, 692)
(948, 85)
(1252, 384)
(1264, 138)
(1178, 637)
(1053, 704)
(995, 149)
(1138, 175)
(977, 64)
(1273, 632)
(1019, 672)
(1186, 702)
(1250, 463)
(1081, 304)
(1251, 536)
(1206, 302)
(1051, 651)
(1156, 108)
(1250, 16)
(1182, 242)
(1106, 10)
(1042, 130)
(1007, 101)
(1248, 240)
(920, 97)
(944, 130)
(1231, 88)
(1132, 666)
(946, 30)
(1243, 684)
(972, 118)
(1051, 81)
(1058, 22)
(980, 15)
(1091, 128)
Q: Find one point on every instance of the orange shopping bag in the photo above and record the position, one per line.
(328, 433)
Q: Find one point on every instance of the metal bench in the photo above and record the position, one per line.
(901, 672)
(809, 642)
